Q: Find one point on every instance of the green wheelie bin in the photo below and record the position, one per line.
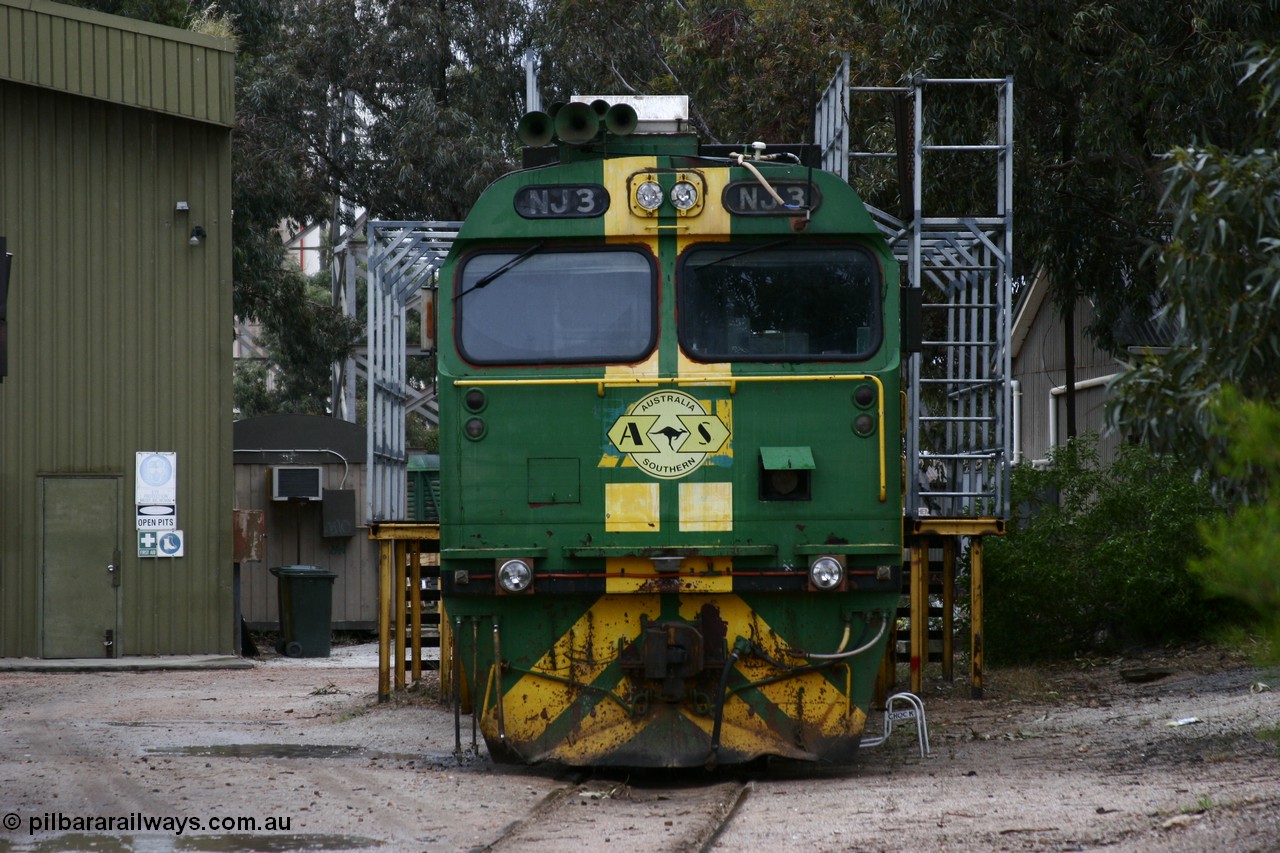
(306, 610)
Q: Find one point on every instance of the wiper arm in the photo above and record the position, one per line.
(772, 244)
(488, 278)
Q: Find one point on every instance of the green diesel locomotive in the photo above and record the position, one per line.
(670, 424)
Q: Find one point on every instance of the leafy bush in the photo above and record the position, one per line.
(1242, 549)
(1096, 557)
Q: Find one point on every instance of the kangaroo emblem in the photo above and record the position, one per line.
(671, 433)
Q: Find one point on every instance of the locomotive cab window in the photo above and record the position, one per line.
(779, 301)
(542, 305)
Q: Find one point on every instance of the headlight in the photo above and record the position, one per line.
(826, 573)
(649, 195)
(684, 195)
(515, 575)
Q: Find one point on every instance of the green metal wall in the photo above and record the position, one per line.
(119, 336)
(128, 62)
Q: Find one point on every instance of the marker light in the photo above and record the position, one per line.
(826, 573)
(515, 575)
(649, 195)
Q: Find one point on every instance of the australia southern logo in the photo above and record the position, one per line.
(668, 434)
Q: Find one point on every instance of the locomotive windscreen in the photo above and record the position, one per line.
(779, 302)
(555, 306)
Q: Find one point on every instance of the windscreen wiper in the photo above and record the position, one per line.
(488, 278)
(772, 244)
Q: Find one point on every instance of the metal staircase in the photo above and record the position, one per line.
(959, 433)
(959, 436)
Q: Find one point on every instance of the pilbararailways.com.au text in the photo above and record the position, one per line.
(138, 822)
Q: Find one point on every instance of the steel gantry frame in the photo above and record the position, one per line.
(403, 260)
(969, 262)
(960, 431)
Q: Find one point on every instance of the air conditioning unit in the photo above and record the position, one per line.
(297, 483)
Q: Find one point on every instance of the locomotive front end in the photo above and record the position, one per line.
(671, 460)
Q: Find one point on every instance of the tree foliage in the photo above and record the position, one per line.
(1096, 557)
(295, 377)
(171, 13)
(1239, 562)
(1220, 275)
(1102, 91)
(403, 109)
(406, 110)
(399, 109)
(752, 68)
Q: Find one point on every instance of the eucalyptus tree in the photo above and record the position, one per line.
(751, 68)
(1103, 91)
(397, 108)
(1219, 272)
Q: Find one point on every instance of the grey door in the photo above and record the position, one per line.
(80, 535)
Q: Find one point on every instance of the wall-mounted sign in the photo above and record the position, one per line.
(157, 517)
(170, 543)
(157, 478)
(147, 543)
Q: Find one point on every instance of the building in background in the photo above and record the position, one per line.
(115, 413)
(306, 475)
(1040, 376)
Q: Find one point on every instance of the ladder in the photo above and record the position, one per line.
(960, 431)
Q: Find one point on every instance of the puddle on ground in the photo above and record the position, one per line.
(75, 842)
(155, 724)
(298, 750)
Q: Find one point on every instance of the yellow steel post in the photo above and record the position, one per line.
(887, 675)
(948, 605)
(401, 633)
(919, 612)
(975, 617)
(385, 555)
(447, 654)
(415, 608)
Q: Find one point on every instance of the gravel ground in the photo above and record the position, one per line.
(1072, 757)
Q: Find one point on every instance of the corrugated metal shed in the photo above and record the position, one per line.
(118, 60)
(119, 331)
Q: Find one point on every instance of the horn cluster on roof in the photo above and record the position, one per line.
(577, 123)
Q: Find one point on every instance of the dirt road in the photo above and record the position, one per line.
(298, 755)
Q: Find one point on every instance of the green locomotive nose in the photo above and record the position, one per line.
(672, 515)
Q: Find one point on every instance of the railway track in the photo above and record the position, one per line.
(626, 816)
